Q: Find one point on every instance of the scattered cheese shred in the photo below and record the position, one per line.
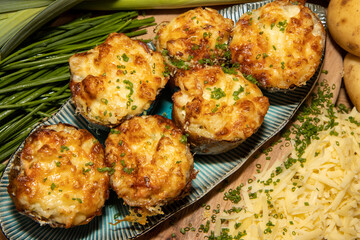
(316, 199)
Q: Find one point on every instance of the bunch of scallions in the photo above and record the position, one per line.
(34, 78)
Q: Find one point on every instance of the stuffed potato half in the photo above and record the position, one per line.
(217, 110)
(280, 44)
(151, 161)
(196, 37)
(55, 178)
(116, 80)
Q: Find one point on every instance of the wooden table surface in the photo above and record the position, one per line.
(196, 214)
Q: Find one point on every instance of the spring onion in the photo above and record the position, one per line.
(18, 5)
(151, 4)
(19, 25)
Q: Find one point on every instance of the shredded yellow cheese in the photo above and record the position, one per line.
(318, 200)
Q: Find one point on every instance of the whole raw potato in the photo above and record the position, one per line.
(352, 78)
(343, 19)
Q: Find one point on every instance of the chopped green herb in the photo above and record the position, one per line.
(215, 108)
(77, 199)
(183, 139)
(86, 170)
(104, 100)
(251, 78)
(125, 57)
(114, 131)
(282, 65)
(128, 170)
(110, 170)
(64, 148)
(236, 93)
(222, 46)
(129, 86)
(195, 47)
(217, 93)
(282, 25)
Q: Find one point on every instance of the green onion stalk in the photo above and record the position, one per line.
(152, 4)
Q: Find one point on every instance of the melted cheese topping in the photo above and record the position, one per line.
(280, 44)
(320, 200)
(212, 106)
(116, 80)
(55, 179)
(194, 35)
(151, 160)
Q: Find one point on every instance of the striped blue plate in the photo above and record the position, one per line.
(212, 169)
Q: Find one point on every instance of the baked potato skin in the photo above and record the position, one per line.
(344, 24)
(352, 78)
(116, 80)
(218, 111)
(54, 179)
(280, 44)
(195, 37)
(152, 162)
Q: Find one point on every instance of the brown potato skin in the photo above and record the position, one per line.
(344, 24)
(38, 166)
(352, 78)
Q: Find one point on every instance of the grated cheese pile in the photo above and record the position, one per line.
(318, 198)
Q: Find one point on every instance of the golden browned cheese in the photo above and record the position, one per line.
(280, 44)
(55, 180)
(216, 109)
(116, 80)
(152, 161)
(196, 36)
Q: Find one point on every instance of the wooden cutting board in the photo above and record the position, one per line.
(196, 214)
